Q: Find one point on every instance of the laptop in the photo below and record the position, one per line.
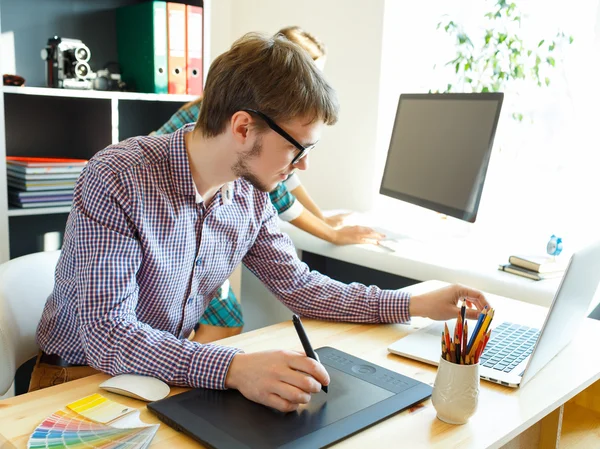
(517, 351)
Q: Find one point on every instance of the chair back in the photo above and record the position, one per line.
(25, 284)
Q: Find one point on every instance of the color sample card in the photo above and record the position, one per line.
(100, 409)
(67, 429)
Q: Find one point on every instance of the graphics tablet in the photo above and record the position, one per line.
(360, 394)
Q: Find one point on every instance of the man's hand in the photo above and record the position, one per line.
(279, 379)
(442, 304)
(356, 234)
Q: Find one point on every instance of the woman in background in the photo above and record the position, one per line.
(223, 316)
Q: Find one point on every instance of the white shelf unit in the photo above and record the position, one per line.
(40, 121)
(78, 93)
(18, 212)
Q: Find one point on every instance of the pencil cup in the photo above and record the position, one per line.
(455, 392)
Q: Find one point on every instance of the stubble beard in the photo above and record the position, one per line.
(241, 169)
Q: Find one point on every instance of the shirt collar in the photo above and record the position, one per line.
(226, 193)
(180, 165)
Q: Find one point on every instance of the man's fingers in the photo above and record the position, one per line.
(278, 403)
(302, 381)
(291, 394)
(311, 367)
(474, 297)
(472, 314)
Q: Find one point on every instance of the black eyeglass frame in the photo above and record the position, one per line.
(275, 127)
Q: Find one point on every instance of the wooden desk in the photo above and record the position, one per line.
(528, 417)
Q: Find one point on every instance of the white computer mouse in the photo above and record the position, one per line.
(145, 388)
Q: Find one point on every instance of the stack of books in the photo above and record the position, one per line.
(535, 267)
(42, 181)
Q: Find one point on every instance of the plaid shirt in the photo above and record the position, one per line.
(284, 202)
(143, 255)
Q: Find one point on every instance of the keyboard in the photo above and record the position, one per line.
(509, 345)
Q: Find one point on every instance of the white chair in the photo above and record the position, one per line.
(25, 284)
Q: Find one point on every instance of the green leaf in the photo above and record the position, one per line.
(468, 80)
(571, 39)
(552, 46)
(517, 116)
(547, 80)
(551, 61)
(485, 89)
(488, 36)
(529, 52)
(449, 88)
(502, 37)
(519, 72)
(457, 67)
(541, 43)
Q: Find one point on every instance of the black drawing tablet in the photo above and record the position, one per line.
(360, 394)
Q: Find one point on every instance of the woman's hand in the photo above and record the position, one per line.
(349, 235)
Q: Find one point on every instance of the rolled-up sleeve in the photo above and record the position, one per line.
(292, 182)
(285, 203)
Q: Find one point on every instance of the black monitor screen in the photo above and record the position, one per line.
(440, 149)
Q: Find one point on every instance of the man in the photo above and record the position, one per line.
(158, 223)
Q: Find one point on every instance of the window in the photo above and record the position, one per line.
(543, 175)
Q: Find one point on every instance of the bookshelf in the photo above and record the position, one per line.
(40, 121)
(20, 212)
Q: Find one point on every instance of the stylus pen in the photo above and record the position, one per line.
(305, 343)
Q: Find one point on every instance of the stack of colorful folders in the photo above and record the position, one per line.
(93, 422)
(42, 182)
(460, 348)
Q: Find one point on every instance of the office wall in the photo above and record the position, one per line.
(352, 31)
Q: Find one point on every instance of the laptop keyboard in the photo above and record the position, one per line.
(509, 345)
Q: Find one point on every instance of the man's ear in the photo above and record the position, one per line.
(240, 126)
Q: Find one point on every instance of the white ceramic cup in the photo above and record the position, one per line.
(455, 392)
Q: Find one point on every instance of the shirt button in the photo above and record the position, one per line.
(198, 261)
(191, 299)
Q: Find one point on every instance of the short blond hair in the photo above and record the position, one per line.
(309, 42)
(270, 74)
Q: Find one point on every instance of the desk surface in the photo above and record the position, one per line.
(503, 412)
(465, 260)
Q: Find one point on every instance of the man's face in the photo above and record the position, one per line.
(269, 161)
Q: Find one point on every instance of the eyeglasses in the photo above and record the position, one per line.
(303, 150)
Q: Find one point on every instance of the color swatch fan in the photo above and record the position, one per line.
(73, 430)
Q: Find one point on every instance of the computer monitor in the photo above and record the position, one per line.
(440, 149)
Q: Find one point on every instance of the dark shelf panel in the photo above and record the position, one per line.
(137, 118)
(27, 232)
(56, 126)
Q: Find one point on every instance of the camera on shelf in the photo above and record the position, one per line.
(67, 64)
(104, 79)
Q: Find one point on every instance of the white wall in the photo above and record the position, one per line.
(352, 32)
(4, 250)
